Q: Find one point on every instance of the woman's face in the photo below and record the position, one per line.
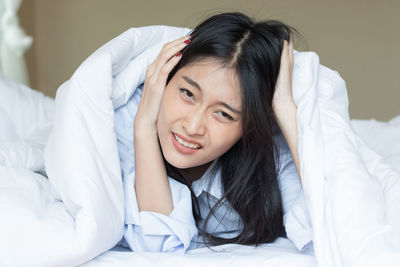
(200, 114)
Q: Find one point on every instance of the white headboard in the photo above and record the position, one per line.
(13, 42)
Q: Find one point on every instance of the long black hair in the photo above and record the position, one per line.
(249, 168)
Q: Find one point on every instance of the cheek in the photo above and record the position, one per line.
(169, 109)
(173, 106)
(223, 138)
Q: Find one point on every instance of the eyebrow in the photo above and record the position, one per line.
(196, 85)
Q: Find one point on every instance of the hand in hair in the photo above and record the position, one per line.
(283, 104)
(155, 83)
(283, 88)
(151, 180)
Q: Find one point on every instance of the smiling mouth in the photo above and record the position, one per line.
(186, 144)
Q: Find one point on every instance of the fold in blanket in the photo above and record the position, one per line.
(351, 193)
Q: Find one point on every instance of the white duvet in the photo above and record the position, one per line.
(350, 170)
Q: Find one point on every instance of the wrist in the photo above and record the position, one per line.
(144, 128)
(281, 104)
(285, 113)
(282, 107)
(145, 121)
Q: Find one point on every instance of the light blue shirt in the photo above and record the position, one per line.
(156, 232)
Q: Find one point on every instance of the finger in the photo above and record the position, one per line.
(158, 80)
(284, 53)
(150, 68)
(166, 68)
(167, 55)
(171, 51)
(285, 47)
(175, 42)
(291, 56)
(291, 43)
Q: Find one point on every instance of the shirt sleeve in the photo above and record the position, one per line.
(296, 218)
(156, 232)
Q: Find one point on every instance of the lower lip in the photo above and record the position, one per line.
(181, 148)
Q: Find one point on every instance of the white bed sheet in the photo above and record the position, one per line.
(281, 253)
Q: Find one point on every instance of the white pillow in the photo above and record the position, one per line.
(23, 110)
(27, 153)
(7, 129)
(26, 117)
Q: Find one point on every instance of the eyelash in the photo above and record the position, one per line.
(186, 92)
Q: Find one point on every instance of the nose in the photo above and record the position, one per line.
(194, 123)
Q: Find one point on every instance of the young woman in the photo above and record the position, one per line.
(210, 158)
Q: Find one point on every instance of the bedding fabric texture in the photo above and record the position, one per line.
(21, 143)
(351, 191)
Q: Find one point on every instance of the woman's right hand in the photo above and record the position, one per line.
(155, 83)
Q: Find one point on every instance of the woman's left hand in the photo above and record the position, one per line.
(283, 88)
(285, 109)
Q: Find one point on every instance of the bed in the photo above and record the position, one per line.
(61, 198)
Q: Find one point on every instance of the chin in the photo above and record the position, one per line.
(179, 163)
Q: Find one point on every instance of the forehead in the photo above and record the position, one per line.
(213, 79)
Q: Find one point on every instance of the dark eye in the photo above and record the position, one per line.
(187, 93)
(225, 115)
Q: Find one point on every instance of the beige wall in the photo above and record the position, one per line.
(360, 39)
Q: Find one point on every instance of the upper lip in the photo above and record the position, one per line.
(187, 140)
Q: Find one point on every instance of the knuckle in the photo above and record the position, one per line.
(165, 46)
(149, 79)
(150, 68)
(164, 57)
(164, 71)
(152, 81)
(165, 68)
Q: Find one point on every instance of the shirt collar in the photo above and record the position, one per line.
(202, 184)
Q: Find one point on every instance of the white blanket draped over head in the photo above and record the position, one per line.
(352, 195)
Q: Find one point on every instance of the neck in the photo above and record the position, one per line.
(195, 173)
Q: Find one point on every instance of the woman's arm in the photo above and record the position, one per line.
(151, 181)
(153, 192)
(286, 118)
(283, 104)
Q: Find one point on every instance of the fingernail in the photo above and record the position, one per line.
(187, 41)
(178, 54)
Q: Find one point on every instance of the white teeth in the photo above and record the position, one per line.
(189, 145)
